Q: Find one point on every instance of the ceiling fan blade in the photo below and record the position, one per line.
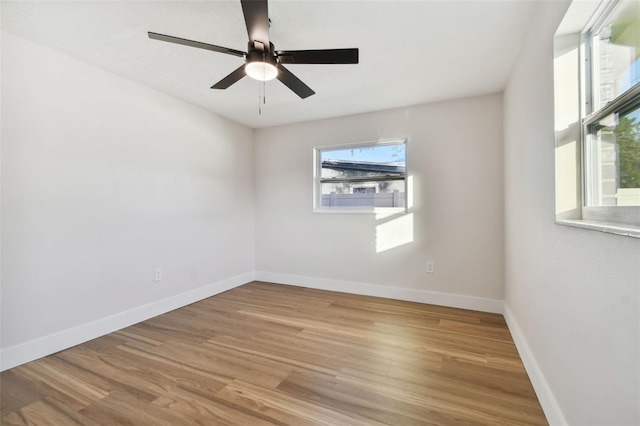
(294, 83)
(256, 17)
(191, 43)
(324, 56)
(230, 79)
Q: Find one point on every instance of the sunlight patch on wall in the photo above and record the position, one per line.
(566, 70)
(393, 231)
(410, 192)
(566, 87)
(566, 183)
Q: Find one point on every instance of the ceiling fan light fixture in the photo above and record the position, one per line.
(262, 61)
(261, 71)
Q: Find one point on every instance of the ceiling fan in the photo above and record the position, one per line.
(262, 61)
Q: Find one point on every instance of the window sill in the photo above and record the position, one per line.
(607, 227)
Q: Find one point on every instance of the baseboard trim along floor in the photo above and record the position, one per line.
(451, 300)
(37, 348)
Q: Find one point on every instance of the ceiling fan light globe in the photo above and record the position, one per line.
(261, 71)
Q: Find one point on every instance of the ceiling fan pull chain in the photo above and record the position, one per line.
(261, 90)
(264, 78)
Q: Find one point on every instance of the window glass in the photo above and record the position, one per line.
(611, 141)
(613, 176)
(363, 175)
(616, 53)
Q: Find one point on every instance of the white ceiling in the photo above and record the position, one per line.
(411, 52)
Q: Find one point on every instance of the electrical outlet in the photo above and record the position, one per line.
(158, 275)
(431, 267)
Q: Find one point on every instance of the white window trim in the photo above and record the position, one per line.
(618, 220)
(317, 172)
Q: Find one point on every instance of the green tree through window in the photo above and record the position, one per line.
(628, 139)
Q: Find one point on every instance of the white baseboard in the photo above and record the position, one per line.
(548, 402)
(399, 293)
(47, 345)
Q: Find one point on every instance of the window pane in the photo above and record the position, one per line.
(613, 158)
(365, 161)
(385, 193)
(363, 176)
(616, 54)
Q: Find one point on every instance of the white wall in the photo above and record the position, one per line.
(455, 163)
(572, 295)
(103, 181)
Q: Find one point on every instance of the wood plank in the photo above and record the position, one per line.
(17, 392)
(51, 377)
(48, 411)
(289, 409)
(328, 391)
(195, 407)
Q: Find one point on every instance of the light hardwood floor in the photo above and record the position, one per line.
(264, 354)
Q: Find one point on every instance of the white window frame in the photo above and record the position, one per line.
(621, 220)
(317, 177)
(626, 215)
(618, 214)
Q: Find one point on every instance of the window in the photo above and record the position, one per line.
(597, 117)
(360, 177)
(611, 126)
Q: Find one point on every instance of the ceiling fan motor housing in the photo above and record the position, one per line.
(258, 53)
